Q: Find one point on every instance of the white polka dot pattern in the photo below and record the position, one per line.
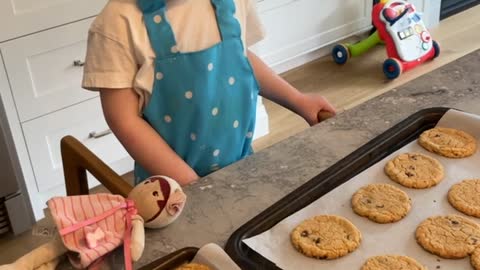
(159, 75)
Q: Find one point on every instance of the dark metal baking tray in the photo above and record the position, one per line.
(172, 260)
(342, 171)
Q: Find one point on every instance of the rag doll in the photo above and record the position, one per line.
(91, 226)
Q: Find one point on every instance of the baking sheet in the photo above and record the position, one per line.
(379, 239)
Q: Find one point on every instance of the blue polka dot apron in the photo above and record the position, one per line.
(203, 103)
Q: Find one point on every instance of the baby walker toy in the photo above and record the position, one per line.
(401, 28)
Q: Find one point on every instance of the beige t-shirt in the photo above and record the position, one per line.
(119, 54)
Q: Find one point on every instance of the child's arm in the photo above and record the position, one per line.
(120, 107)
(275, 88)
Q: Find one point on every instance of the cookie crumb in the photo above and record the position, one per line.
(434, 201)
(438, 266)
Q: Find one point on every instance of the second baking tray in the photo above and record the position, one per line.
(172, 260)
(339, 173)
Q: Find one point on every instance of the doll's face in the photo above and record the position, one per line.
(159, 200)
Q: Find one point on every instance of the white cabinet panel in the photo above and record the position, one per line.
(297, 27)
(42, 72)
(21, 17)
(82, 121)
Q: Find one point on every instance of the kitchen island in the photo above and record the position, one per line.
(220, 203)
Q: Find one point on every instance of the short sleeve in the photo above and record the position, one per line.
(108, 63)
(254, 28)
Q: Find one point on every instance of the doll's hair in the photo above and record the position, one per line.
(165, 188)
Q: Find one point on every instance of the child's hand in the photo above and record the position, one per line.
(315, 108)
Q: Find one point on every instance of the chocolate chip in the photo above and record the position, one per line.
(438, 266)
(438, 260)
(348, 236)
(473, 241)
(412, 168)
(317, 241)
(304, 234)
(454, 222)
(414, 157)
(380, 206)
(437, 135)
(369, 201)
(409, 174)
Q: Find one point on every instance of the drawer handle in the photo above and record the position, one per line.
(78, 63)
(96, 135)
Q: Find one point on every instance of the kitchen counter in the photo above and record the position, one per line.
(222, 202)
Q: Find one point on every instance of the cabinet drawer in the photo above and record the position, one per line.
(43, 137)
(41, 69)
(22, 17)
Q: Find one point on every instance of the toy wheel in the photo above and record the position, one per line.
(392, 68)
(436, 47)
(340, 54)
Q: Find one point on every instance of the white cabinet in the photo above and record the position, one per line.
(83, 121)
(40, 40)
(42, 72)
(21, 17)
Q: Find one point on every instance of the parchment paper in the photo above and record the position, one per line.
(214, 257)
(379, 239)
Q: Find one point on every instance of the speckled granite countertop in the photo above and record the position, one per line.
(222, 202)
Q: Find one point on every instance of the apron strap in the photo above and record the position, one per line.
(160, 32)
(228, 25)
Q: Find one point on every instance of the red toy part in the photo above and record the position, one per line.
(391, 14)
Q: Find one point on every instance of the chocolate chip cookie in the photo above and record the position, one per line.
(448, 142)
(475, 259)
(465, 197)
(381, 203)
(415, 170)
(450, 237)
(392, 262)
(326, 237)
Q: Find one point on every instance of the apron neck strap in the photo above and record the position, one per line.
(162, 37)
(160, 32)
(227, 23)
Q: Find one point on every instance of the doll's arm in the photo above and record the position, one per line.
(138, 238)
(45, 256)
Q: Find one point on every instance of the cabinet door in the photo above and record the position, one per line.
(8, 179)
(83, 121)
(41, 69)
(22, 17)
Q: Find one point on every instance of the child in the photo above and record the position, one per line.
(178, 85)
